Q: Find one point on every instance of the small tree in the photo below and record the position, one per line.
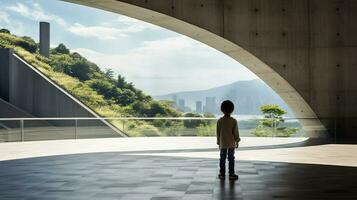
(273, 115)
(269, 126)
(109, 73)
(121, 81)
(60, 49)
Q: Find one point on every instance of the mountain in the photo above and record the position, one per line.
(248, 96)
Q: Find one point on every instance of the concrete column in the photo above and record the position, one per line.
(45, 39)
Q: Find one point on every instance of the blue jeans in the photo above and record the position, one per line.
(222, 160)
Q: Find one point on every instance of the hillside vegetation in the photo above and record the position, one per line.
(105, 94)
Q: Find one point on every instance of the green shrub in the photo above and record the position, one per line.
(28, 44)
(3, 30)
(60, 49)
(263, 131)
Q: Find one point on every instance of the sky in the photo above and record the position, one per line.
(158, 61)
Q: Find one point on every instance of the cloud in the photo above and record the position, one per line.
(109, 30)
(4, 17)
(134, 25)
(98, 32)
(172, 64)
(36, 13)
(13, 25)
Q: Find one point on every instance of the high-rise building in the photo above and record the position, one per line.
(211, 105)
(181, 104)
(187, 109)
(199, 107)
(174, 98)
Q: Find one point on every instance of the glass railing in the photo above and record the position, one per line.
(35, 129)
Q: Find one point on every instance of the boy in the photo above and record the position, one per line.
(227, 139)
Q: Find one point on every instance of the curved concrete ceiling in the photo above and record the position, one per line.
(282, 87)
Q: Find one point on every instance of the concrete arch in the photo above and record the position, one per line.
(213, 33)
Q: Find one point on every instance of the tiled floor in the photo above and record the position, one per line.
(109, 175)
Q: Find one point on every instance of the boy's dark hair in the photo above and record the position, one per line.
(227, 107)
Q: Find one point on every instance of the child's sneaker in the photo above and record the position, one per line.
(233, 177)
(221, 176)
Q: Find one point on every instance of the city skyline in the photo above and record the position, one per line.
(210, 105)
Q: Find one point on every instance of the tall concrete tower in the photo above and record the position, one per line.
(45, 39)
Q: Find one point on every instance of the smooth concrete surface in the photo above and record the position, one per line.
(17, 150)
(304, 50)
(45, 39)
(10, 111)
(202, 147)
(175, 168)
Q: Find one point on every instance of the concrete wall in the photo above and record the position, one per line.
(4, 73)
(34, 94)
(10, 111)
(306, 50)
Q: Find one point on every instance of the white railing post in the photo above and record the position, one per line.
(76, 129)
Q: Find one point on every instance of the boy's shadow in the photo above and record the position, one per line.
(228, 189)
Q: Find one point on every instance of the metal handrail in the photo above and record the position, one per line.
(132, 118)
(25, 133)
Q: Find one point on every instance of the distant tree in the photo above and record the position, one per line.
(156, 109)
(61, 49)
(194, 123)
(104, 87)
(130, 86)
(81, 70)
(121, 81)
(208, 115)
(140, 96)
(125, 97)
(61, 63)
(3, 30)
(28, 44)
(76, 56)
(109, 73)
(141, 108)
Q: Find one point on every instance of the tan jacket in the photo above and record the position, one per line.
(227, 132)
